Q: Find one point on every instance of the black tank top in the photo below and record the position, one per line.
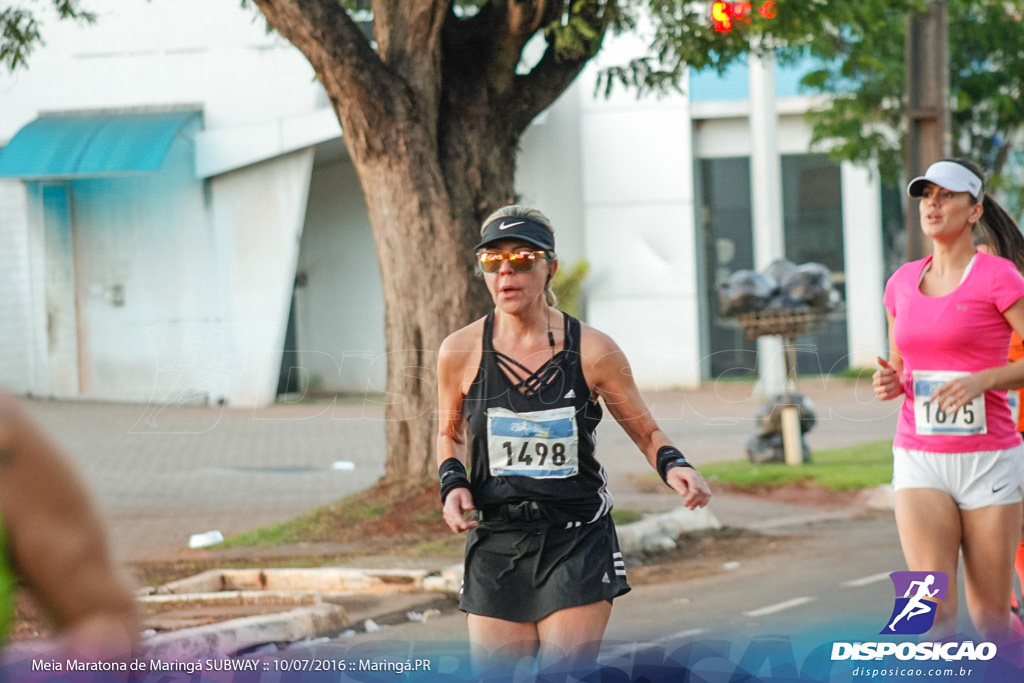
(534, 440)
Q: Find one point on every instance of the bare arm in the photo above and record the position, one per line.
(610, 376)
(58, 543)
(452, 361)
(960, 392)
(887, 381)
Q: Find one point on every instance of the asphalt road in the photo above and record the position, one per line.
(776, 615)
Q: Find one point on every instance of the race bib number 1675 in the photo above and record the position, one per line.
(930, 420)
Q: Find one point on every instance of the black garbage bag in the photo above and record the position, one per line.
(781, 302)
(777, 272)
(769, 416)
(742, 292)
(834, 299)
(770, 448)
(810, 283)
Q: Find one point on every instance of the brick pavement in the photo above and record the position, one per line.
(161, 476)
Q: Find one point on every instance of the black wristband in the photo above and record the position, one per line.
(453, 476)
(669, 457)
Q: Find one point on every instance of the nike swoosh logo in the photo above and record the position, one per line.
(997, 490)
(506, 226)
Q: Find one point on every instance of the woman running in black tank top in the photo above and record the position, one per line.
(533, 433)
(519, 398)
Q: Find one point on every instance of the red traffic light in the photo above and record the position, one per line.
(724, 14)
(721, 15)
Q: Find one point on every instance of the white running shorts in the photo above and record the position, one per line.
(974, 480)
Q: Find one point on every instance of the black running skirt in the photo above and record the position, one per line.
(524, 571)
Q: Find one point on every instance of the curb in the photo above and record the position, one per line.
(881, 497)
(230, 637)
(324, 579)
(320, 592)
(659, 532)
(156, 604)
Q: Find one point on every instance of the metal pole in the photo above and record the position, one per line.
(927, 86)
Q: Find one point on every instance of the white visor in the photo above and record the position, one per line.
(947, 174)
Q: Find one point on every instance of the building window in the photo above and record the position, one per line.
(727, 237)
(813, 225)
(812, 213)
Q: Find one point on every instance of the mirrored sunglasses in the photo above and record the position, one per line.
(521, 260)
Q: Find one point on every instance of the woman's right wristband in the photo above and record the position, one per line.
(453, 476)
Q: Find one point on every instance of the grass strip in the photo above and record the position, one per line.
(842, 469)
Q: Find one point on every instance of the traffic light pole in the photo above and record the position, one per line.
(928, 129)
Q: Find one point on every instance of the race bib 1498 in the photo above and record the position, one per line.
(541, 444)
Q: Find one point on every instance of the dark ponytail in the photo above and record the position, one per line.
(997, 227)
(1004, 235)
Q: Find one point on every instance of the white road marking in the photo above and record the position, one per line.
(857, 583)
(629, 649)
(778, 607)
(682, 635)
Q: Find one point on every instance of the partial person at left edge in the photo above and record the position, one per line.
(53, 543)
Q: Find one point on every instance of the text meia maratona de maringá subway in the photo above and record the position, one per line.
(153, 665)
(77, 665)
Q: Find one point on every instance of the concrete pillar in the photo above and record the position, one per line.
(766, 184)
(863, 263)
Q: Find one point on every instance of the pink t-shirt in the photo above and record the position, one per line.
(963, 331)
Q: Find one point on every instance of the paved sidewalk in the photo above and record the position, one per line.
(162, 476)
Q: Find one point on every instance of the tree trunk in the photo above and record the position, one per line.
(423, 243)
(431, 119)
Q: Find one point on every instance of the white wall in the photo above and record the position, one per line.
(258, 214)
(17, 358)
(183, 287)
(729, 136)
(549, 174)
(144, 264)
(637, 160)
(862, 252)
(52, 272)
(162, 52)
(340, 311)
(206, 268)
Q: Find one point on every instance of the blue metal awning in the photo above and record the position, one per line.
(89, 146)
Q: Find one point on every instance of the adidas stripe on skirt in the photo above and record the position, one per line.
(524, 571)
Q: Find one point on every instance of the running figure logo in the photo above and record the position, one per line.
(914, 612)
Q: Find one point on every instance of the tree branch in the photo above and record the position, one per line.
(555, 72)
(362, 89)
(408, 37)
(518, 21)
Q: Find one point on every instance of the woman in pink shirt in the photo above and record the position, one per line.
(957, 455)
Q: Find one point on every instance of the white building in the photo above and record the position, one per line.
(188, 227)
